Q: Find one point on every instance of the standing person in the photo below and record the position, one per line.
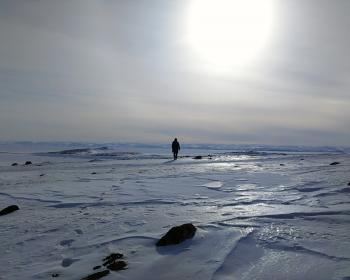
(175, 147)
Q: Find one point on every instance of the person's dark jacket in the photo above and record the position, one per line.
(175, 146)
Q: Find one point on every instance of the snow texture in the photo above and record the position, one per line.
(260, 213)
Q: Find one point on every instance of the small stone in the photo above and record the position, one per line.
(177, 235)
(55, 275)
(78, 231)
(118, 265)
(41, 175)
(97, 275)
(67, 262)
(281, 164)
(349, 184)
(28, 162)
(93, 173)
(8, 210)
(335, 163)
(97, 267)
(14, 164)
(66, 242)
(198, 157)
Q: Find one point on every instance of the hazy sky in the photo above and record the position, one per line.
(129, 70)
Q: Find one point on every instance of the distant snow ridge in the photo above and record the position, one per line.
(83, 151)
(117, 151)
(105, 152)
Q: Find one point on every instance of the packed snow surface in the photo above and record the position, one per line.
(260, 212)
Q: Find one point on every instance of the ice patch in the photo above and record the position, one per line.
(213, 185)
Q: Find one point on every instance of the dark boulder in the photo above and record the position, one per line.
(281, 164)
(118, 265)
(28, 162)
(198, 157)
(349, 184)
(334, 163)
(97, 275)
(14, 164)
(8, 210)
(177, 235)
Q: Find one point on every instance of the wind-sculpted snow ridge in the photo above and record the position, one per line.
(261, 215)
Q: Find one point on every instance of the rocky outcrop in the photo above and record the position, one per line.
(111, 258)
(97, 275)
(9, 209)
(118, 265)
(177, 235)
(111, 262)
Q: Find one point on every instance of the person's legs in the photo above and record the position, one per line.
(175, 154)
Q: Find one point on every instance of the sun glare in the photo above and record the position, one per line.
(229, 33)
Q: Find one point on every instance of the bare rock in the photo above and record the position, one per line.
(349, 184)
(14, 164)
(97, 275)
(111, 258)
(118, 265)
(28, 162)
(97, 267)
(198, 157)
(334, 163)
(177, 235)
(8, 210)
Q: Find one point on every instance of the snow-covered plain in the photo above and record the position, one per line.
(259, 215)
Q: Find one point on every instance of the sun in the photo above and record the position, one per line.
(228, 33)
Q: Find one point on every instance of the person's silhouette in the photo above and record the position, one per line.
(175, 146)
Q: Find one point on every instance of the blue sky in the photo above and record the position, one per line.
(125, 71)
